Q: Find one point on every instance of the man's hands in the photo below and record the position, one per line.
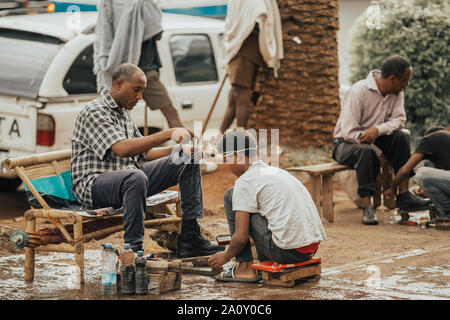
(181, 135)
(420, 192)
(218, 259)
(369, 135)
(389, 194)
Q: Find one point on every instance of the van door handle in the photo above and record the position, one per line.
(186, 105)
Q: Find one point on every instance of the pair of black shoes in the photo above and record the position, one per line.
(192, 244)
(405, 200)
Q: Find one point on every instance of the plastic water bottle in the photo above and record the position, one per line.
(142, 278)
(127, 271)
(109, 271)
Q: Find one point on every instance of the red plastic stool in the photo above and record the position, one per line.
(285, 275)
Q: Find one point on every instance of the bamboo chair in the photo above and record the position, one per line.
(53, 165)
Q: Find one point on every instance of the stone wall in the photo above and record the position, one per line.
(303, 102)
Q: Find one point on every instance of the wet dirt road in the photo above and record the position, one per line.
(387, 261)
(56, 279)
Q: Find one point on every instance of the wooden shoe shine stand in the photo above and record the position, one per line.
(286, 275)
(72, 224)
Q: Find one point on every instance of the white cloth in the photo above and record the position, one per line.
(284, 201)
(122, 26)
(242, 15)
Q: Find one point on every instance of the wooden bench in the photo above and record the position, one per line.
(71, 222)
(321, 177)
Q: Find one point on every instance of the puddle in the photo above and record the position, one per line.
(56, 278)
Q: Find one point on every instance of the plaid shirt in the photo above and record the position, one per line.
(99, 125)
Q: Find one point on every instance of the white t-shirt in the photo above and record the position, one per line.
(284, 201)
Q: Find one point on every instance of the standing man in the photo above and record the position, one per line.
(268, 204)
(435, 179)
(252, 39)
(127, 31)
(107, 165)
(368, 132)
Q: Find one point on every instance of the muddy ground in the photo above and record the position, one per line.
(388, 261)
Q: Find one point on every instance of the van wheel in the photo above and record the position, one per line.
(9, 185)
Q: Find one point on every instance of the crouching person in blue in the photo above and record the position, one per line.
(113, 165)
(267, 204)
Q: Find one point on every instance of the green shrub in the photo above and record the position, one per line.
(420, 31)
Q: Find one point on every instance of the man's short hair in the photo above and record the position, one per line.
(238, 140)
(394, 65)
(434, 129)
(125, 71)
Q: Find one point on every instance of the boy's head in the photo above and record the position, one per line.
(239, 150)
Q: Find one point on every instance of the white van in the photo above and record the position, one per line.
(46, 78)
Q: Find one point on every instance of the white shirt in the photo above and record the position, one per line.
(284, 201)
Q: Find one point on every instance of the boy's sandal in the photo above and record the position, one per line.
(228, 276)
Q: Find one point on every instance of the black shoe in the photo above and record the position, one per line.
(410, 200)
(192, 244)
(369, 216)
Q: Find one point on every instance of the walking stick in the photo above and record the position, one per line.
(145, 121)
(214, 103)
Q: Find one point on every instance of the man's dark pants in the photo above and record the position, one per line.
(262, 236)
(364, 160)
(129, 188)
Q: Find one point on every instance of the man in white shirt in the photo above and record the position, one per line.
(268, 204)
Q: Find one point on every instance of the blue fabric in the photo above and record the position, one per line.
(58, 186)
(61, 6)
(217, 11)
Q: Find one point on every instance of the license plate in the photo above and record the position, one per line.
(16, 132)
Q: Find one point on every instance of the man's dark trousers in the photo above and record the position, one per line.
(364, 160)
(129, 188)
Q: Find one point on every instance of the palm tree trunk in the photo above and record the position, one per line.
(303, 102)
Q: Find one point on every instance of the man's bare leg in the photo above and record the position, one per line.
(230, 113)
(243, 104)
(172, 117)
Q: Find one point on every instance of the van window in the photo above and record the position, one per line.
(80, 78)
(193, 58)
(24, 59)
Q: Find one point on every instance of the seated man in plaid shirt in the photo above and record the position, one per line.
(108, 168)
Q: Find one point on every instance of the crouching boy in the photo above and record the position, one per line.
(268, 204)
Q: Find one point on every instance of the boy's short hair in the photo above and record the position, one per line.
(238, 140)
